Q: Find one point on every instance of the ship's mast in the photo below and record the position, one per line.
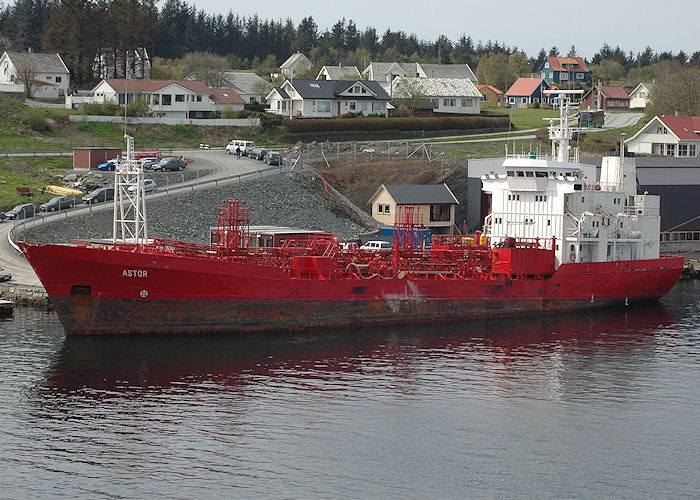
(561, 134)
(129, 199)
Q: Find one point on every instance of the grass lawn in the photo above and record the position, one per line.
(34, 173)
(523, 119)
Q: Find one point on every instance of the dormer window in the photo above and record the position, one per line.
(356, 89)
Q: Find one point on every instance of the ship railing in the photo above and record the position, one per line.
(541, 243)
(680, 236)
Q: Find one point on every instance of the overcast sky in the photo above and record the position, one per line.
(671, 25)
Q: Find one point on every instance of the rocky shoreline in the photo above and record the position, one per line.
(297, 199)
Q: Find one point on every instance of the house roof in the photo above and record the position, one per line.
(419, 194)
(556, 63)
(341, 72)
(383, 68)
(44, 63)
(524, 86)
(226, 96)
(293, 59)
(282, 93)
(123, 85)
(246, 82)
(440, 87)
(481, 88)
(646, 85)
(613, 92)
(684, 127)
(447, 71)
(331, 89)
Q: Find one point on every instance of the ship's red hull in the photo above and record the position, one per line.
(107, 291)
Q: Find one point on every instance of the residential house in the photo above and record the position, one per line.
(564, 70)
(447, 95)
(639, 97)
(48, 74)
(386, 72)
(527, 91)
(169, 98)
(339, 73)
(248, 85)
(327, 98)
(668, 136)
(490, 94)
(295, 64)
(607, 98)
(431, 205)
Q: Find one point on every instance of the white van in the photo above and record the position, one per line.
(376, 245)
(244, 145)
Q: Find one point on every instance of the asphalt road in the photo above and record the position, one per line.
(215, 165)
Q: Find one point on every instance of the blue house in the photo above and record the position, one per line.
(527, 91)
(565, 70)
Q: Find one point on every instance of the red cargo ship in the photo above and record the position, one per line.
(557, 239)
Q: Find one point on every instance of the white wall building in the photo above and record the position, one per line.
(51, 77)
(447, 95)
(668, 136)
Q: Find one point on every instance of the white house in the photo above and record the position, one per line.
(339, 73)
(295, 64)
(327, 98)
(668, 136)
(639, 97)
(447, 95)
(50, 76)
(169, 98)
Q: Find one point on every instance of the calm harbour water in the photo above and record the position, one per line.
(603, 404)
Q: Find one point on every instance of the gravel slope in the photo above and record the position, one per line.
(297, 200)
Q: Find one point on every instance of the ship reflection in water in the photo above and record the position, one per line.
(603, 403)
(519, 357)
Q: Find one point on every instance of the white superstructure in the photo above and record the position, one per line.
(590, 219)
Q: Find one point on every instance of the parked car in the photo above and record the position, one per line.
(273, 158)
(260, 153)
(4, 275)
(244, 145)
(2, 216)
(376, 245)
(22, 211)
(57, 203)
(98, 195)
(148, 186)
(108, 165)
(170, 164)
(148, 162)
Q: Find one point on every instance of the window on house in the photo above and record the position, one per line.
(661, 130)
(353, 105)
(670, 149)
(563, 76)
(284, 105)
(376, 106)
(682, 150)
(642, 94)
(467, 103)
(156, 99)
(167, 99)
(551, 75)
(356, 89)
(453, 102)
(523, 99)
(546, 64)
(440, 213)
(199, 98)
(180, 98)
(511, 100)
(380, 209)
(48, 78)
(691, 150)
(579, 76)
(445, 102)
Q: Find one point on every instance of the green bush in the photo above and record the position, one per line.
(35, 119)
(106, 109)
(139, 107)
(228, 113)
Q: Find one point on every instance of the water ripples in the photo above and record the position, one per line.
(607, 400)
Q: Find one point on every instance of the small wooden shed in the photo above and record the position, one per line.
(89, 158)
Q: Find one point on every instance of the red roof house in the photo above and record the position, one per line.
(611, 98)
(668, 136)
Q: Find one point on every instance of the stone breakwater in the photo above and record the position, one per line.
(25, 294)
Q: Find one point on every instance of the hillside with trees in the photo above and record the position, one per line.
(83, 30)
